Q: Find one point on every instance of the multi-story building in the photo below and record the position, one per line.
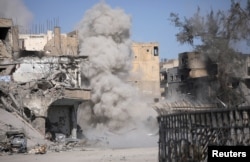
(168, 76)
(201, 79)
(190, 77)
(145, 71)
(146, 68)
(46, 91)
(54, 79)
(53, 43)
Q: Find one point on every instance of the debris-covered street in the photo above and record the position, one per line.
(148, 154)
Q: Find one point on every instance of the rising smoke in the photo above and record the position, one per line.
(17, 11)
(116, 111)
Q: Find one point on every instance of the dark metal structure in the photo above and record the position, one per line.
(185, 136)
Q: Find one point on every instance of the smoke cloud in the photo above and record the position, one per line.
(17, 11)
(116, 111)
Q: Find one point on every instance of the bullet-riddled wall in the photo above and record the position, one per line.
(145, 71)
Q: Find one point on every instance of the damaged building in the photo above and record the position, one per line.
(189, 76)
(166, 75)
(52, 43)
(40, 79)
(204, 112)
(53, 91)
(196, 77)
(145, 65)
(8, 47)
(145, 71)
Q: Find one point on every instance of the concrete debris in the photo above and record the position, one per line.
(60, 137)
(38, 150)
(65, 144)
(37, 83)
(30, 101)
(17, 98)
(40, 92)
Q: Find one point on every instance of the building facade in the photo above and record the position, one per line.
(168, 75)
(199, 79)
(43, 84)
(53, 43)
(146, 68)
(45, 89)
(145, 64)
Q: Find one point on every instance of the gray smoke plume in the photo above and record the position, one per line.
(115, 106)
(17, 11)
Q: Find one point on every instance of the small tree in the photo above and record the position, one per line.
(218, 34)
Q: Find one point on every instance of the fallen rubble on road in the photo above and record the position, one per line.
(38, 149)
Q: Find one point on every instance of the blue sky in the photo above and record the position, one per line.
(150, 18)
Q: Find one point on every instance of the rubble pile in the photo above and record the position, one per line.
(16, 134)
(40, 90)
(12, 95)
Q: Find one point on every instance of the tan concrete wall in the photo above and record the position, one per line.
(68, 46)
(195, 62)
(10, 45)
(38, 104)
(196, 73)
(4, 52)
(77, 94)
(57, 39)
(53, 44)
(34, 42)
(170, 64)
(5, 22)
(145, 71)
(15, 37)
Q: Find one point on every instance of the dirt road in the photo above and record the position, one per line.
(89, 155)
